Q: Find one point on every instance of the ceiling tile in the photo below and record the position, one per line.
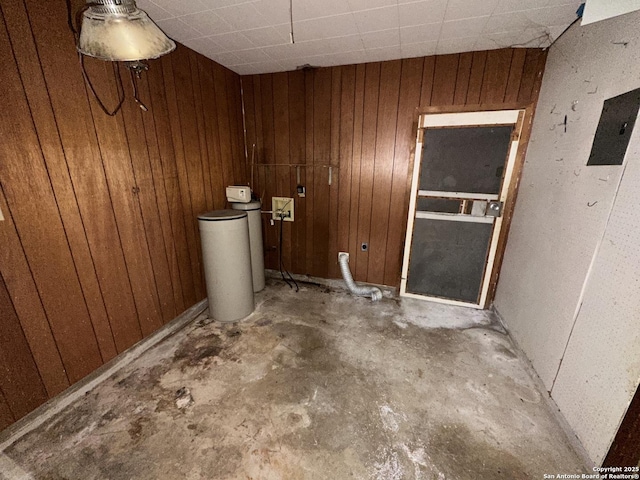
(420, 13)
(507, 6)
(420, 33)
(383, 38)
(507, 22)
(305, 10)
(212, 4)
(253, 35)
(182, 8)
(463, 28)
(456, 45)
(327, 27)
(345, 58)
(345, 43)
(533, 37)
(254, 55)
(267, 36)
(377, 19)
(554, 32)
(176, 28)
(552, 16)
(309, 49)
(459, 9)
(357, 5)
(226, 58)
(293, 63)
(207, 23)
(154, 11)
(319, 61)
(498, 40)
(282, 52)
(260, 67)
(419, 49)
(383, 54)
(245, 16)
(205, 46)
(299, 50)
(232, 41)
(273, 12)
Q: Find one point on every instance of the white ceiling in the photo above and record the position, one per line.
(252, 36)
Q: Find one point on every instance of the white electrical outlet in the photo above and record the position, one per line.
(282, 208)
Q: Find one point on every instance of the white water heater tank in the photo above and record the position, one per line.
(226, 255)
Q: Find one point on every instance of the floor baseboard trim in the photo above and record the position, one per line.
(55, 405)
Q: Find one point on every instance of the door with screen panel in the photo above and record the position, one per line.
(462, 171)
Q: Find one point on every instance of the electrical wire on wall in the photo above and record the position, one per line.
(292, 38)
(280, 262)
(93, 27)
(116, 68)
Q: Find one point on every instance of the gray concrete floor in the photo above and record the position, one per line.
(313, 385)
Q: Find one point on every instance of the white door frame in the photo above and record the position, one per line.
(464, 119)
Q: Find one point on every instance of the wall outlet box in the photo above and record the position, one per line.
(239, 194)
(282, 208)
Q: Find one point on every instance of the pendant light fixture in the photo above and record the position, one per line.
(118, 31)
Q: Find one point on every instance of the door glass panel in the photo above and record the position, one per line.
(438, 205)
(466, 159)
(448, 258)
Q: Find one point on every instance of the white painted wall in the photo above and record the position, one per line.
(569, 288)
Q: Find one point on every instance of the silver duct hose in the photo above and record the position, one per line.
(374, 292)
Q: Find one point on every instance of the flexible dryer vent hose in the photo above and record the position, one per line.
(374, 292)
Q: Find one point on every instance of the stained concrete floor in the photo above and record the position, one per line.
(314, 385)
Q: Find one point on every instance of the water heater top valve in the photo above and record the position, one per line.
(240, 194)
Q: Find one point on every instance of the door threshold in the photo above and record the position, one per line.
(446, 301)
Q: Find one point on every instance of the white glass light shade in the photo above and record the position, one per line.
(124, 36)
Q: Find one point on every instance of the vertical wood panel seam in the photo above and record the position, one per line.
(213, 84)
(203, 151)
(504, 95)
(178, 189)
(53, 192)
(158, 209)
(455, 82)
(188, 222)
(433, 79)
(373, 167)
(3, 397)
(73, 187)
(46, 315)
(524, 66)
(138, 203)
(357, 229)
(484, 77)
(44, 389)
(393, 163)
(214, 134)
(160, 163)
(466, 94)
(108, 188)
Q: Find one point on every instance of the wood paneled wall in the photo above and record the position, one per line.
(99, 246)
(361, 121)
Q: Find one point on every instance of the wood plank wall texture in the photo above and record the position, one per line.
(361, 120)
(100, 244)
